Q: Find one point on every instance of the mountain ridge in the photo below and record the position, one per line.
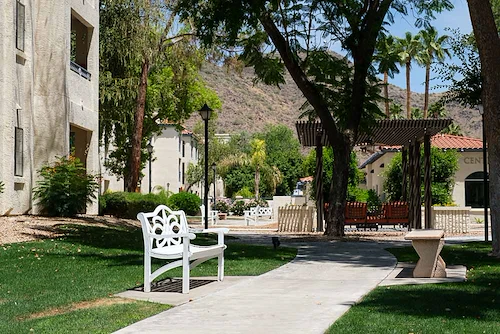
(249, 106)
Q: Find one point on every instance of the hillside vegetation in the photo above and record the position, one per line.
(249, 106)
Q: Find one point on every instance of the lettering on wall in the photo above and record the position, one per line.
(472, 161)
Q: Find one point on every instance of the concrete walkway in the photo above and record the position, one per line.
(304, 296)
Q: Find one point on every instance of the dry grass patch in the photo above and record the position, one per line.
(79, 306)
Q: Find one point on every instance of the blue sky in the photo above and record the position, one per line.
(456, 18)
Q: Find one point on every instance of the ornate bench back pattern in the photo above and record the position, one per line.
(164, 221)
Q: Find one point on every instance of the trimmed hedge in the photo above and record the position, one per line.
(188, 202)
(128, 205)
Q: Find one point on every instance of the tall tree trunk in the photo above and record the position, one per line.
(135, 156)
(386, 94)
(426, 94)
(488, 42)
(408, 90)
(257, 182)
(338, 190)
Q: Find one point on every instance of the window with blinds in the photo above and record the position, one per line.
(20, 25)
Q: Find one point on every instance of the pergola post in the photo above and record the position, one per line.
(411, 176)
(427, 182)
(404, 188)
(416, 199)
(318, 178)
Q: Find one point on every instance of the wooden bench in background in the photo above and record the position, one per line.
(392, 213)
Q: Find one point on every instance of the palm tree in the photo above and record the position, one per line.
(432, 49)
(437, 110)
(409, 47)
(386, 55)
(256, 159)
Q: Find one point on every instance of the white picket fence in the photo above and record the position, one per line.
(296, 218)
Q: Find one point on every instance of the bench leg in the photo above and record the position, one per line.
(185, 273)
(220, 268)
(147, 274)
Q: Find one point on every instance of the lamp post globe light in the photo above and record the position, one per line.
(486, 201)
(205, 113)
(149, 147)
(214, 166)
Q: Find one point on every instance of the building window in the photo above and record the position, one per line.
(183, 148)
(179, 169)
(179, 142)
(183, 174)
(474, 190)
(18, 151)
(20, 25)
(81, 36)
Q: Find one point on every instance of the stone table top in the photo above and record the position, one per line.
(424, 234)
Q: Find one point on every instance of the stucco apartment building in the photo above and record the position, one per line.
(468, 189)
(173, 150)
(49, 52)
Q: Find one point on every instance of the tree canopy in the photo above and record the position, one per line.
(295, 35)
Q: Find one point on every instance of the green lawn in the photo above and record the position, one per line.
(44, 284)
(469, 307)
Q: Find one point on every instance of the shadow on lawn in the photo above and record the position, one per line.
(129, 239)
(477, 298)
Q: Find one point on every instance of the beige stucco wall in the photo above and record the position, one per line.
(166, 169)
(52, 97)
(468, 162)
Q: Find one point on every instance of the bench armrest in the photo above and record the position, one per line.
(190, 236)
(220, 233)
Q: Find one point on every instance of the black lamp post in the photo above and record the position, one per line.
(485, 176)
(149, 147)
(214, 166)
(205, 113)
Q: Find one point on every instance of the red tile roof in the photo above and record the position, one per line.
(455, 142)
(446, 141)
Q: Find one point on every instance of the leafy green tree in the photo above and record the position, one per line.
(283, 151)
(437, 110)
(387, 57)
(396, 111)
(237, 178)
(309, 165)
(146, 76)
(409, 47)
(433, 49)
(343, 97)
(416, 113)
(464, 75)
(453, 129)
(444, 165)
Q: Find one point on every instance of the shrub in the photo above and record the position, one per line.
(374, 203)
(188, 202)
(128, 205)
(245, 193)
(222, 206)
(65, 188)
(238, 208)
(253, 203)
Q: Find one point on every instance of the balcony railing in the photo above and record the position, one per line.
(80, 70)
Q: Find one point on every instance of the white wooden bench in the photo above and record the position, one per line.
(212, 215)
(167, 236)
(256, 212)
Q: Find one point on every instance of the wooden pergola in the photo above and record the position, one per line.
(407, 133)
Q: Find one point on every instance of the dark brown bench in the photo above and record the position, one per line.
(355, 213)
(393, 213)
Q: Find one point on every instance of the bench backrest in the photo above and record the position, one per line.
(264, 211)
(397, 210)
(355, 210)
(162, 221)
